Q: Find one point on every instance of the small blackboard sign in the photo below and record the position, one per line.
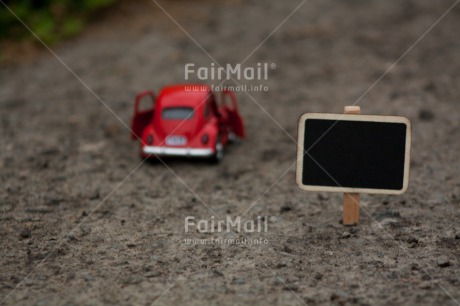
(353, 153)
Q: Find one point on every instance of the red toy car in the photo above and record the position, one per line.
(186, 120)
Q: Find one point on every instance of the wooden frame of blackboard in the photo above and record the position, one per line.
(347, 117)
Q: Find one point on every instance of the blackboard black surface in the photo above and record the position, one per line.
(354, 152)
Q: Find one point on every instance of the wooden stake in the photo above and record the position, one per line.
(351, 200)
(350, 208)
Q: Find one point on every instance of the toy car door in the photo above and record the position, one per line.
(230, 106)
(141, 118)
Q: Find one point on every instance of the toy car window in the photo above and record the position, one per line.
(177, 113)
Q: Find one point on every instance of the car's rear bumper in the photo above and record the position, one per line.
(168, 151)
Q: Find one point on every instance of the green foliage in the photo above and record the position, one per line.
(51, 20)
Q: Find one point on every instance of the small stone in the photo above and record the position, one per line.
(425, 285)
(5, 207)
(339, 295)
(280, 280)
(346, 235)
(426, 115)
(53, 200)
(153, 274)
(111, 130)
(89, 278)
(49, 151)
(291, 288)
(134, 280)
(71, 237)
(58, 178)
(446, 236)
(426, 277)
(287, 249)
(318, 276)
(230, 235)
(411, 240)
(217, 273)
(42, 303)
(393, 275)
(238, 281)
(443, 262)
(95, 195)
(38, 210)
(437, 199)
(430, 86)
(285, 208)
(389, 214)
(25, 233)
(281, 265)
(388, 217)
(390, 222)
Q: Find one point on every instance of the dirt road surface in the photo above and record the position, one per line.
(84, 223)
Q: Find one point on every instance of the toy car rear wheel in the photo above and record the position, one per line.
(219, 151)
(231, 137)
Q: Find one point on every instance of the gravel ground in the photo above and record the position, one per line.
(84, 223)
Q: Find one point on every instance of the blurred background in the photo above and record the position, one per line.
(51, 20)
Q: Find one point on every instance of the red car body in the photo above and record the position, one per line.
(186, 120)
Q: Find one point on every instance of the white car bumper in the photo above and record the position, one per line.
(168, 151)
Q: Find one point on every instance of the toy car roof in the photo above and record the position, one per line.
(191, 95)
